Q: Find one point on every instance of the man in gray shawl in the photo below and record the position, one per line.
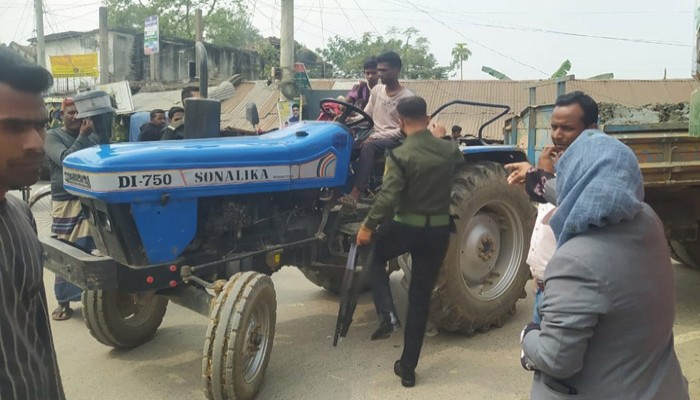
(608, 307)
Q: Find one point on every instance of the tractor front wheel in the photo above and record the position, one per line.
(239, 337)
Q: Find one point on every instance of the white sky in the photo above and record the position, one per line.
(498, 32)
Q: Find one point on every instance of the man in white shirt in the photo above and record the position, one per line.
(387, 133)
(542, 247)
(573, 113)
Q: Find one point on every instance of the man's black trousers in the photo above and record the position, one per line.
(427, 247)
(370, 149)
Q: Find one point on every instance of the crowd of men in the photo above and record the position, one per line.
(602, 325)
(167, 127)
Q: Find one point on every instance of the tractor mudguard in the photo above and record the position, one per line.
(502, 154)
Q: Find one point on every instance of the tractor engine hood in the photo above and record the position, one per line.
(304, 156)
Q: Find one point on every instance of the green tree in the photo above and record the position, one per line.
(346, 55)
(226, 22)
(269, 55)
(460, 54)
(316, 67)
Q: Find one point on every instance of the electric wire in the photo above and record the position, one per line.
(308, 12)
(469, 13)
(54, 27)
(308, 22)
(367, 18)
(584, 35)
(475, 41)
(527, 29)
(323, 35)
(352, 27)
(27, 4)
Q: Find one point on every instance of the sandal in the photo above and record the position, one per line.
(62, 312)
(348, 202)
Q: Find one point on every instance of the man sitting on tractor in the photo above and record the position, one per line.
(387, 133)
(360, 93)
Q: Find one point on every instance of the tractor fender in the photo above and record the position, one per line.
(500, 154)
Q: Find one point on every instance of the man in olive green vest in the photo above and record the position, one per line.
(416, 193)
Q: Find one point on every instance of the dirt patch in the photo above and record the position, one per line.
(618, 114)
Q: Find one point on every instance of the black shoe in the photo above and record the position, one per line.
(385, 329)
(408, 377)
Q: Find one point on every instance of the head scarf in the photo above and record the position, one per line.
(67, 102)
(599, 183)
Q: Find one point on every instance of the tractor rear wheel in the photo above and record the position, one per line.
(484, 272)
(122, 320)
(239, 337)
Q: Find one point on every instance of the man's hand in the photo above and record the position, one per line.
(517, 172)
(524, 361)
(438, 130)
(364, 236)
(548, 158)
(176, 124)
(86, 127)
(532, 326)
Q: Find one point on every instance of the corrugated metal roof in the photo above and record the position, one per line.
(344, 85)
(470, 118)
(233, 110)
(147, 101)
(225, 90)
(436, 93)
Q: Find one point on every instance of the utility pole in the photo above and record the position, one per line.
(104, 47)
(287, 41)
(199, 37)
(40, 46)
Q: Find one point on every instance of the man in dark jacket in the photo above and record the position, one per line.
(152, 130)
(416, 193)
(176, 126)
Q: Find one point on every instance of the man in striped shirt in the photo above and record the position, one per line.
(28, 367)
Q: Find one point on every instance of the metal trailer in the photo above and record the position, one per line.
(668, 157)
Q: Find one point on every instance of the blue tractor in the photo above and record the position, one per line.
(205, 222)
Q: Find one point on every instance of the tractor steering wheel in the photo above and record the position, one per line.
(349, 110)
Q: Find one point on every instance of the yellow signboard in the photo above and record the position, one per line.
(74, 65)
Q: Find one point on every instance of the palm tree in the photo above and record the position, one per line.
(460, 54)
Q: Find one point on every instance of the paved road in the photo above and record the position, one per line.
(304, 365)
